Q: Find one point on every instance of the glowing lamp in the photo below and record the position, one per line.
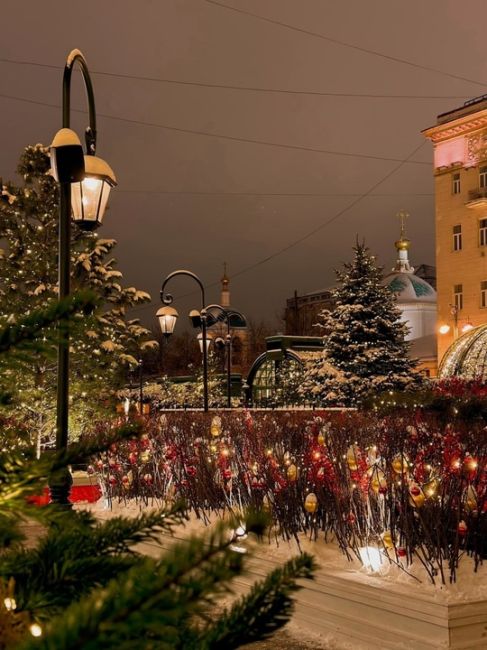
(209, 338)
(167, 317)
(89, 197)
(444, 329)
(467, 327)
(371, 557)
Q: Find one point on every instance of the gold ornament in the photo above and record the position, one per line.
(378, 481)
(400, 464)
(311, 503)
(353, 454)
(145, 456)
(292, 473)
(216, 426)
(387, 539)
(430, 488)
(471, 498)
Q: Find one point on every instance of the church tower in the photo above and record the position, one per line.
(225, 294)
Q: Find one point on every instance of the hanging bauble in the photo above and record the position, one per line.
(387, 539)
(322, 436)
(216, 426)
(145, 456)
(311, 503)
(353, 455)
(471, 502)
(372, 455)
(417, 497)
(400, 464)
(378, 482)
(292, 473)
(430, 488)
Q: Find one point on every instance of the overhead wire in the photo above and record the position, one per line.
(337, 41)
(220, 136)
(221, 86)
(312, 232)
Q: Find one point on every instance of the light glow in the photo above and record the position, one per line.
(444, 329)
(371, 557)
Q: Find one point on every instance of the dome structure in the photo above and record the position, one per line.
(409, 288)
(467, 356)
(416, 298)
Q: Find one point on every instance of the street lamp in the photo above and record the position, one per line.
(84, 185)
(226, 315)
(167, 317)
(167, 325)
(209, 340)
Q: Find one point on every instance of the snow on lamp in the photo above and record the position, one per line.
(167, 317)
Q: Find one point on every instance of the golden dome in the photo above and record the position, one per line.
(402, 244)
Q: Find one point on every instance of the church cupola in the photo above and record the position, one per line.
(402, 246)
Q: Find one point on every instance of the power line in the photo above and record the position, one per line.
(336, 41)
(219, 136)
(255, 89)
(266, 194)
(303, 238)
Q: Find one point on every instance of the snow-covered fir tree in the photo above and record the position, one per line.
(103, 346)
(365, 348)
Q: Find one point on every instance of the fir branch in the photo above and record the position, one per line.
(152, 604)
(78, 554)
(21, 476)
(28, 328)
(259, 614)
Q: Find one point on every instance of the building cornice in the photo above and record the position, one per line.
(458, 127)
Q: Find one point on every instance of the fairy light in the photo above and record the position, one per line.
(10, 603)
(35, 629)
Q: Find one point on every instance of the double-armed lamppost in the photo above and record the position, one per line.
(167, 317)
(84, 186)
(226, 315)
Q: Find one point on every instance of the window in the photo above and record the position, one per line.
(483, 293)
(483, 232)
(458, 296)
(483, 177)
(457, 238)
(456, 183)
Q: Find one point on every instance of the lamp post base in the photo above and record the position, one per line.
(60, 488)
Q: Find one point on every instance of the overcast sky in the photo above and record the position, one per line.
(203, 191)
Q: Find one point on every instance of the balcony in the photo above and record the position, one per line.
(477, 198)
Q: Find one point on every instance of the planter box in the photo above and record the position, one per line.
(339, 605)
(351, 610)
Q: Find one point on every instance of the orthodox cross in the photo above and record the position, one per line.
(403, 215)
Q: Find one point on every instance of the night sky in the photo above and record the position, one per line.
(190, 198)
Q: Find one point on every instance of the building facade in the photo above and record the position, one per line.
(460, 170)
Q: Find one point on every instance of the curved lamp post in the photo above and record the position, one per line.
(84, 185)
(167, 317)
(226, 315)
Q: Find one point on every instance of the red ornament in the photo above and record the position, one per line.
(462, 528)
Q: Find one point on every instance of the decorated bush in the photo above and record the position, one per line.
(410, 487)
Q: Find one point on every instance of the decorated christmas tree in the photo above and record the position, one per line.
(365, 348)
(102, 347)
